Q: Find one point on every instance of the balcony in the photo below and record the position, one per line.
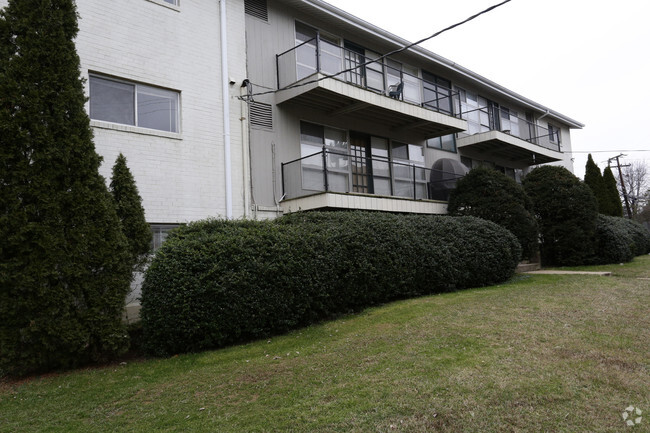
(365, 89)
(497, 133)
(332, 179)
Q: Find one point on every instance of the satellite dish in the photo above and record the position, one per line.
(445, 172)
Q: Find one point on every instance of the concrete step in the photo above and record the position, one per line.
(527, 267)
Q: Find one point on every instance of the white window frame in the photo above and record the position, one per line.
(139, 88)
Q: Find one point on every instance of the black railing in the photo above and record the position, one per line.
(485, 119)
(335, 171)
(321, 56)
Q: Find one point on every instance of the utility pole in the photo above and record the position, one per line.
(620, 175)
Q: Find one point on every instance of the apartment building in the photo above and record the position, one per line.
(254, 108)
(337, 123)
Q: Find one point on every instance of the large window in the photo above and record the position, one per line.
(437, 93)
(134, 104)
(554, 134)
(446, 142)
(312, 140)
(409, 174)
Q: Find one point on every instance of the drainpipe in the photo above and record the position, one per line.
(544, 115)
(249, 197)
(225, 86)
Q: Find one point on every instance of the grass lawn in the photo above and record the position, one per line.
(554, 353)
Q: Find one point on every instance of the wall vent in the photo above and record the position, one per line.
(257, 9)
(261, 115)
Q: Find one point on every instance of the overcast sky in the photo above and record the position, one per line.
(589, 60)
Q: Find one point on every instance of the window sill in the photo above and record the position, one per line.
(135, 129)
(165, 4)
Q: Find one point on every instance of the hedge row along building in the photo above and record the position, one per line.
(221, 111)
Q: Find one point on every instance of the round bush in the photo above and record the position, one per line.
(491, 195)
(216, 282)
(566, 211)
(614, 242)
(640, 236)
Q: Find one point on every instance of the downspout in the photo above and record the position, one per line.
(249, 197)
(225, 87)
(544, 115)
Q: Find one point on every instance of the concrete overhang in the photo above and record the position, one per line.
(497, 145)
(329, 200)
(336, 98)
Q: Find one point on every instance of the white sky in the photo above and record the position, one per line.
(589, 60)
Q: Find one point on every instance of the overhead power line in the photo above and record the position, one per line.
(609, 151)
(399, 50)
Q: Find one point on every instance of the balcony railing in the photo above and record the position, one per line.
(486, 119)
(321, 56)
(334, 171)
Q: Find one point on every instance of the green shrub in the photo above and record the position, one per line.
(566, 211)
(614, 242)
(640, 236)
(491, 195)
(619, 240)
(217, 282)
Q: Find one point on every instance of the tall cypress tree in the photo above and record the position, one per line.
(613, 204)
(129, 208)
(594, 179)
(64, 264)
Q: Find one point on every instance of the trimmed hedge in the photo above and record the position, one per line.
(489, 194)
(620, 240)
(218, 282)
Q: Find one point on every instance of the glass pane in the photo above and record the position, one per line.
(412, 89)
(304, 33)
(157, 109)
(393, 69)
(448, 143)
(399, 150)
(305, 60)
(416, 154)
(336, 138)
(330, 57)
(112, 101)
(382, 185)
(311, 133)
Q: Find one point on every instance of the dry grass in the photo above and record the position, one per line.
(544, 353)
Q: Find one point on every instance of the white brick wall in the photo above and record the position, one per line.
(180, 176)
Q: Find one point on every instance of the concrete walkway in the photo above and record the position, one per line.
(602, 274)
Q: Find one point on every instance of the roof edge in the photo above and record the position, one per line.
(431, 56)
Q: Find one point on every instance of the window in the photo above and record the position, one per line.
(446, 142)
(160, 233)
(554, 134)
(409, 175)
(134, 104)
(312, 140)
(437, 93)
(305, 51)
(172, 2)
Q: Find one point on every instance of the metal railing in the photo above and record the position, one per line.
(334, 171)
(485, 119)
(321, 56)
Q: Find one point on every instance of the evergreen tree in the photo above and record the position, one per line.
(594, 179)
(129, 208)
(613, 205)
(64, 262)
(566, 212)
(491, 195)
